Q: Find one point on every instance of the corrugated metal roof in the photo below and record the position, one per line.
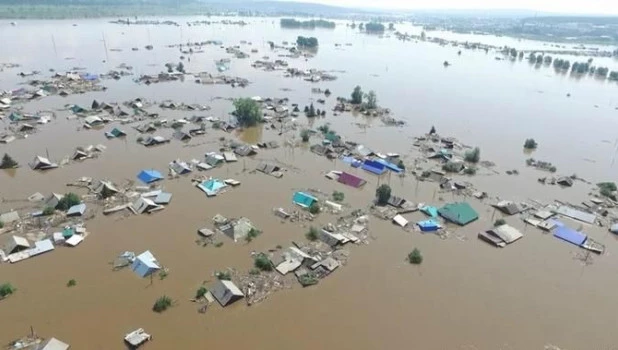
(570, 235)
(576, 214)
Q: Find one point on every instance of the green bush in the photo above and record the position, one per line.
(224, 275)
(70, 199)
(338, 196)
(71, 283)
(470, 171)
(308, 279)
(6, 289)
(473, 156)
(451, 167)
(253, 233)
(254, 272)
(401, 165)
(314, 208)
(312, 234)
(162, 304)
(48, 211)
(1, 224)
(383, 194)
(357, 95)
(499, 222)
(219, 244)
(530, 144)
(415, 257)
(262, 262)
(607, 189)
(201, 291)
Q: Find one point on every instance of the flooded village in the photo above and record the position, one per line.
(197, 182)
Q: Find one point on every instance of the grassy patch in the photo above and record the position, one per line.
(312, 234)
(162, 304)
(262, 262)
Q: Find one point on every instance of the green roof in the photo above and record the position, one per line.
(460, 213)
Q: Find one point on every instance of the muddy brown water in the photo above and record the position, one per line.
(465, 296)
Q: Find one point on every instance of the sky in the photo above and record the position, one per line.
(562, 6)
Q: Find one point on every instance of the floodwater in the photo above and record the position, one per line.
(465, 295)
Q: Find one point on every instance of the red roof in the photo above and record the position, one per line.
(351, 180)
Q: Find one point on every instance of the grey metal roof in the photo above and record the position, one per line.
(226, 292)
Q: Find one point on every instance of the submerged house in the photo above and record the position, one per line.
(303, 199)
(106, 189)
(41, 163)
(53, 344)
(214, 159)
(508, 207)
(115, 133)
(226, 292)
(351, 180)
(291, 259)
(459, 213)
(245, 151)
(180, 168)
(269, 169)
(145, 205)
(145, 264)
(182, 136)
(211, 187)
(500, 236)
(237, 229)
(154, 141)
(16, 244)
(77, 210)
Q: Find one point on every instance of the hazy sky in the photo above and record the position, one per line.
(568, 6)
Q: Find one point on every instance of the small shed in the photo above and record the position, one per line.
(149, 176)
(106, 189)
(180, 168)
(400, 220)
(460, 213)
(145, 264)
(145, 205)
(226, 292)
(53, 344)
(163, 198)
(74, 241)
(114, 133)
(428, 225)
(230, 157)
(77, 210)
(244, 151)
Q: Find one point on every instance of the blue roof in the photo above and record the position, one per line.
(428, 225)
(352, 161)
(390, 166)
(149, 176)
(374, 167)
(211, 187)
(303, 199)
(570, 235)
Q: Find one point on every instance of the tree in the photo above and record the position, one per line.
(262, 262)
(530, 144)
(607, 189)
(401, 165)
(71, 283)
(532, 57)
(470, 170)
(180, 67)
(312, 234)
(357, 95)
(374, 27)
(311, 111)
(432, 131)
(162, 304)
(473, 156)
(304, 135)
(415, 257)
(372, 100)
(315, 208)
(201, 291)
(361, 26)
(383, 194)
(247, 111)
(8, 162)
(539, 59)
(6, 289)
(423, 35)
(513, 52)
(338, 196)
(307, 42)
(613, 75)
(70, 199)
(391, 26)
